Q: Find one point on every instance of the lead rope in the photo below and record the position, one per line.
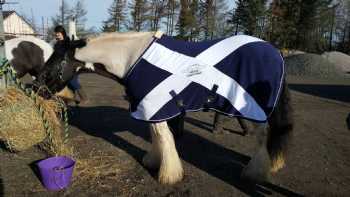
(7, 70)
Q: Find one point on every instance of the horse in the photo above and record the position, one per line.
(120, 53)
(27, 55)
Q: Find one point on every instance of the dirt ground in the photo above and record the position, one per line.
(318, 164)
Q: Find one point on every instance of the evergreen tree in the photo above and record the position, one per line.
(194, 20)
(185, 18)
(295, 24)
(343, 25)
(249, 16)
(117, 16)
(208, 22)
(138, 14)
(283, 23)
(213, 16)
(171, 8)
(156, 14)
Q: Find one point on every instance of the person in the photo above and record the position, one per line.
(60, 47)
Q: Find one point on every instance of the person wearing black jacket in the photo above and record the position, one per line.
(60, 48)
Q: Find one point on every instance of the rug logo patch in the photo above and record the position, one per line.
(194, 69)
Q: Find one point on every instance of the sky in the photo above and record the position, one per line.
(96, 9)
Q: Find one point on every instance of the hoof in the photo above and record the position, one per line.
(170, 177)
(278, 163)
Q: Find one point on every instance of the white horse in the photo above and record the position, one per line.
(117, 52)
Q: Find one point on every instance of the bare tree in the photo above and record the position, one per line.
(78, 13)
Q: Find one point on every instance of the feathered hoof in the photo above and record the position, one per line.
(150, 161)
(277, 164)
(170, 176)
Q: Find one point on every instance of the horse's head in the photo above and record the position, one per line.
(60, 68)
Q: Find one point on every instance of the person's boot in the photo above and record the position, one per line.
(83, 97)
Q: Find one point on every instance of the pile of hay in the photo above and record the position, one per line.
(22, 126)
(311, 65)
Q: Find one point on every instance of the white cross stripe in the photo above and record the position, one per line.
(220, 50)
(186, 69)
(156, 99)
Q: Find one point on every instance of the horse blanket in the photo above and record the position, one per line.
(237, 76)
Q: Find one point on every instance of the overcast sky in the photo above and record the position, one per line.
(97, 9)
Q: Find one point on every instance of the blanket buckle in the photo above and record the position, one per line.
(211, 98)
(179, 102)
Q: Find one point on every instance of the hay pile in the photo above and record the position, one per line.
(340, 60)
(21, 125)
(311, 65)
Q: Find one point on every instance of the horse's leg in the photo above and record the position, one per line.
(272, 143)
(258, 168)
(219, 120)
(176, 125)
(163, 154)
(280, 132)
(244, 125)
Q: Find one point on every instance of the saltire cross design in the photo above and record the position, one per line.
(237, 76)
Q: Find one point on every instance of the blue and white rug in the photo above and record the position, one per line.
(237, 76)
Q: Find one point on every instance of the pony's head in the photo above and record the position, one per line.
(60, 69)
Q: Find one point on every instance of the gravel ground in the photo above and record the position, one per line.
(312, 65)
(340, 60)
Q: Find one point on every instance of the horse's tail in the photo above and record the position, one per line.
(281, 126)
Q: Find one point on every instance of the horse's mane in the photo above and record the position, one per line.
(117, 35)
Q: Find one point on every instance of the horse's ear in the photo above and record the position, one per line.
(78, 43)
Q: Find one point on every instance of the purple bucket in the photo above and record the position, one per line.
(56, 172)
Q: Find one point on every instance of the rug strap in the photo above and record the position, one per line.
(179, 102)
(211, 98)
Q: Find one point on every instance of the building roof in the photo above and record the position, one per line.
(7, 13)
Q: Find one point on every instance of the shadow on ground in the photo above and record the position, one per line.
(2, 192)
(209, 127)
(335, 92)
(216, 160)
